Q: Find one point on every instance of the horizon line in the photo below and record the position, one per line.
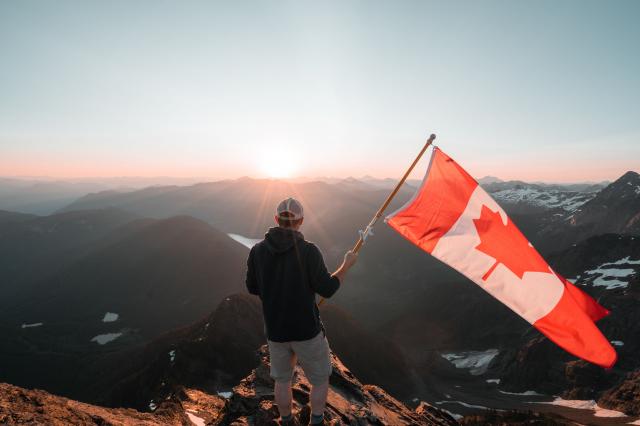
(301, 179)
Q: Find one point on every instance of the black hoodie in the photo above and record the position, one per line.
(286, 272)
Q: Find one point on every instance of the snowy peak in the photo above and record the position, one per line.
(540, 196)
(549, 199)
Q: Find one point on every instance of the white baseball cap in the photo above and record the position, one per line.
(292, 208)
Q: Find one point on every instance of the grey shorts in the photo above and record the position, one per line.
(312, 354)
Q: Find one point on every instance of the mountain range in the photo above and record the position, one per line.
(120, 298)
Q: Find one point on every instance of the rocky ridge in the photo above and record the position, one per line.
(350, 403)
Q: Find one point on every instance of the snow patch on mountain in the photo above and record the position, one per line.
(35, 324)
(525, 393)
(476, 361)
(546, 198)
(103, 339)
(455, 415)
(464, 404)
(110, 317)
(623, 261)
(610, 275)
(585, 405)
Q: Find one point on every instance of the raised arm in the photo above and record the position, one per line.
(322, 282)
(349, 260)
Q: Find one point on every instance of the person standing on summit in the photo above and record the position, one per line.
(287, 272)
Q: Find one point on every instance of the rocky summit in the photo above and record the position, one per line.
(19, 406)
(251, 403)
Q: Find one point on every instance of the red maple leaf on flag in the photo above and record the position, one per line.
(507, 245)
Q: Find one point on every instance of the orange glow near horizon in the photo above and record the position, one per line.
(280, 166)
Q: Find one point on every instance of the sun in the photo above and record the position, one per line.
(278, 165)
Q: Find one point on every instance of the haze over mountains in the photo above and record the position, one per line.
(44, 195)
(98, 295)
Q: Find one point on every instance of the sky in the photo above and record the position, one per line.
(538, 91)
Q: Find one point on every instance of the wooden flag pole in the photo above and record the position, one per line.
(383, 207)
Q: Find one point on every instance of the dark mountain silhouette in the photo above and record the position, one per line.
(35, 247)
(144, 279)
(215, 352)
(8, 218)
(177, 269)
(212, 354)
(615, 209)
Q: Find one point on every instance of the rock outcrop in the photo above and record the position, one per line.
(625, 396)
(19, 406)
(350, 402)
(218, 351)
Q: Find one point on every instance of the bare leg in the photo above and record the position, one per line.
(283, 396)
(319, 398)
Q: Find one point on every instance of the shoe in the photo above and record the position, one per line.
(293, 421)
(322, 423)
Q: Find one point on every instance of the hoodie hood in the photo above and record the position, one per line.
(280, 240)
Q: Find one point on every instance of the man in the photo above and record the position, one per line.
(287, 271)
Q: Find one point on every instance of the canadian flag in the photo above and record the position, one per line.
(451, 217)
